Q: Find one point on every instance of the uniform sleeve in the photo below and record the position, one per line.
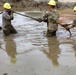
(8, 17)
(45, 16)
(56, 15)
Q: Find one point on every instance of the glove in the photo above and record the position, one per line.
(64, 25)
(39, 20)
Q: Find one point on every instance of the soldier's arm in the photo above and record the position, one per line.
(45, 16)
(8, 17)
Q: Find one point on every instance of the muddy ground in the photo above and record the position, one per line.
(30, 52)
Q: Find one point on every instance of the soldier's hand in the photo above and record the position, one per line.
(39, 19)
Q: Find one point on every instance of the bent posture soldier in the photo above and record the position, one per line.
(7, 16)
(50, 17)
(73, 22)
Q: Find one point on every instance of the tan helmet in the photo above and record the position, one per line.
(7, 6)
(52, 2)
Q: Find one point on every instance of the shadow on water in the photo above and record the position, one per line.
(68, 54)
(61, 51)
(13, 48)
(10, 48)
(53, 50)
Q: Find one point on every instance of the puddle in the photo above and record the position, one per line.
(30, 52)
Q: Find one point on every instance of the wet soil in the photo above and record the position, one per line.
(25, 4)
(30, 52)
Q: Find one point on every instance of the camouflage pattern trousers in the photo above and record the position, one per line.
(9, 29)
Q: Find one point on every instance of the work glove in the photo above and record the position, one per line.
(66, 26)
(39, 19)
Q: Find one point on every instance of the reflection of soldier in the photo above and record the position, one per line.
(11, 49)
(74, 48)
(53, 45)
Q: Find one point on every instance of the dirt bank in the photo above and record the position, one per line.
(39, 5)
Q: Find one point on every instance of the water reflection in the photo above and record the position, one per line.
(54, 50)
(10, 48)
(68, 54)
(74, 47)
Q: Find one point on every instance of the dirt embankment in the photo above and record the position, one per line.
(30, 3)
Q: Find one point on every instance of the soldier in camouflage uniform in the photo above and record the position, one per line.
(51, 16)
(72, 24)
(7, 16)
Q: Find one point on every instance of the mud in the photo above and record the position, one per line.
(24, 4)
(30, 52)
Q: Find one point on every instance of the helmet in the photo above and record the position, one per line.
(74, 8)
(52, 2)
(7, 6)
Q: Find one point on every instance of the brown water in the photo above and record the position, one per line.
(29, 52)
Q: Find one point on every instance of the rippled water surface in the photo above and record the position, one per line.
(29, 52)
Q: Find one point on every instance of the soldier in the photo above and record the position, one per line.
(7, 16)
(51, 16)
(72, 24)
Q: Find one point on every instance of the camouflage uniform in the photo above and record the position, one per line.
(7, 27)
(74, 22)
(51, 17)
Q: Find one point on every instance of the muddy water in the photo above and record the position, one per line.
(29, 52)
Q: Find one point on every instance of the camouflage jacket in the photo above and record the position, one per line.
(74, 22)
(51, 16)
(6, 19)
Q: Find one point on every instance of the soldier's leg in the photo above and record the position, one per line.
(13, 30)
(48, 34)
(6, 32)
